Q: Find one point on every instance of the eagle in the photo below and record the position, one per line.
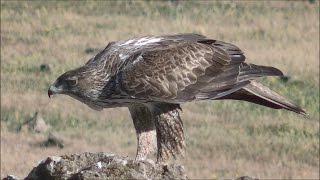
(154, 75)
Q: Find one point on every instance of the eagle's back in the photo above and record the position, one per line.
(174, 69)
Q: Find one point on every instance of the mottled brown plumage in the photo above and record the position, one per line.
(153, 75)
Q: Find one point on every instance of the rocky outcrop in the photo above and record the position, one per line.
(94, 166)
(103, 166)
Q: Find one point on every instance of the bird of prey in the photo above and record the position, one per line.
(154, 75)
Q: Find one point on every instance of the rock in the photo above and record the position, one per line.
(35, 123)
(94, 166)
(247, 178)
(10, 177)
(54, 139)
(103, 166)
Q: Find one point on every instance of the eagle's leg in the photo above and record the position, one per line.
(169, 126)
(145, 128)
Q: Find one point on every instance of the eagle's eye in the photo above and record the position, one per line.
(72, 82)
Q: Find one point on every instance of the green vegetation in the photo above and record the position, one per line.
(224, 138)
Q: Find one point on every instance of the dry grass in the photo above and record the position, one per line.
(224, 139)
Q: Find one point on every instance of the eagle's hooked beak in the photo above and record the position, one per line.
(49, 93)
(53, 90)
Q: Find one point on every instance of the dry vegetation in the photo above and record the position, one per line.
(224, 139)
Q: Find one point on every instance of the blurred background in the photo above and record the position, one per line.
(40, 40)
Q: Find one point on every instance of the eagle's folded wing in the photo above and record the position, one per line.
(177, 74)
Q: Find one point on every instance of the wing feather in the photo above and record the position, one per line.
(179, 73)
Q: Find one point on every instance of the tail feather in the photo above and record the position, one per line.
(258, 93)
(250, 71)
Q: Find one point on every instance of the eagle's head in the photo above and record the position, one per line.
(81, 84)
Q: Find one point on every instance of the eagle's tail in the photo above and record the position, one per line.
(251, 71)
(257, 93)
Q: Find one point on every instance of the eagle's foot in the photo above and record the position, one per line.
(170, 137)
(146, 144)
(145, 129)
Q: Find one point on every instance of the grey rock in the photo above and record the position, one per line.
(247, 178)
(54, 139)
(11, 177)
(103, 166)
(35, 124)
(87, 166)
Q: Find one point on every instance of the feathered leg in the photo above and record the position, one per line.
(169, 126)
(145, 129)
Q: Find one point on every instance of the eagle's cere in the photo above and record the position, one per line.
(153, 75)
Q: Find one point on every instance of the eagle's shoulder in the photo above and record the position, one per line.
(127, 51)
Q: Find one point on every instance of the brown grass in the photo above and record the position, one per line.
(224, 139)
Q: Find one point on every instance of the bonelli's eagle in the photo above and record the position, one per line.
(153, 75)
